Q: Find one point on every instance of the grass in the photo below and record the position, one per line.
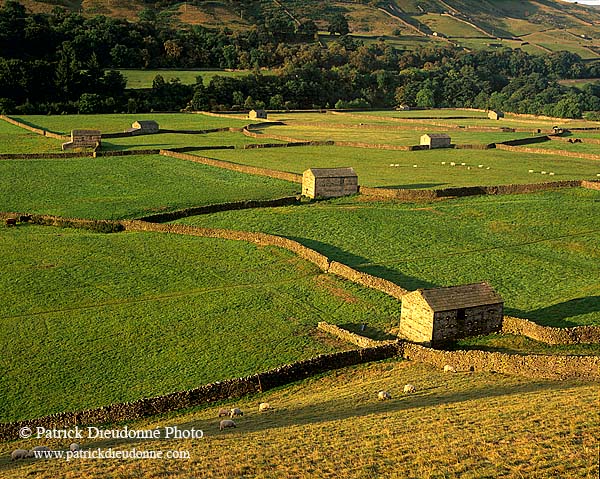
(115, 123)
(175, 140)
(373, 166)
(111, 318)
(449, 26)
(396, 137)
(535, 250)
(143, 78)
(460, 425)
(125, 187)
(18, 140)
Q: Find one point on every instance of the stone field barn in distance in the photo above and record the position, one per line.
(260, 114)
(436, 140)
(83, 139)
(329, 182)
(143, 126)
(431, 316)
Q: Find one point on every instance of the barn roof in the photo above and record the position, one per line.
(459, 297)
(437, 135)
(332, 172)
(147, 123)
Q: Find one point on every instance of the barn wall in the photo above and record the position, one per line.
(478, 320)
(416, 319)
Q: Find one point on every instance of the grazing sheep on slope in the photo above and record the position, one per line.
(20, 454)
(74, 447)
(236, 412)
(226, 423)
(449, 369)
(223, 412)
(383, 395)
(264, 406)
(409, 388)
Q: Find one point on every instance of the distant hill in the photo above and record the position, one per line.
(536, 26)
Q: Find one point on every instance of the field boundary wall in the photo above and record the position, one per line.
(252, 170)
(550, 335)
(544, 151)
(206, 394)
(39, 131)
(234, 205)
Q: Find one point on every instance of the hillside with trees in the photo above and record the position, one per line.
(66, 62)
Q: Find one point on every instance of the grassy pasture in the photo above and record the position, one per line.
(115, 123)
(394, 137)
(540, 251)
(19, 140)
(125, 187)
(143, 78)
(175, 140)
(117, 317)
(587, 148)
(448, 25)
(373, 166)
(460, 425)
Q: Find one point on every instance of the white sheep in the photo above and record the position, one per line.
(74, 447)
(530, 171)
(226, 423)
(383, 395)
(20, 454)
(543, 172)
(479, 166)
(409, 388)
(551, 173)
(223, 412)
(443, 162)
(415, 166)
(264, 406)
(452, 163)
(449, 369)
(235, 412)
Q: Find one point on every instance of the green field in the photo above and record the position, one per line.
(373, 166)
(125, 187)
(19, 140)
(115, 123)
(144, 78)
(534, 249)
(472, 426)
(90, 319)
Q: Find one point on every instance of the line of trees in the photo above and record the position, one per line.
(64, 62)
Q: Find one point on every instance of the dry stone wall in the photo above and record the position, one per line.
(218, 391)
(550, 335)
(544, 151)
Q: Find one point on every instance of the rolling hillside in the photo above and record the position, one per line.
(537, 26)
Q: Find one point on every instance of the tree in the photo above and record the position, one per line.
(338, 24)
(425, 98)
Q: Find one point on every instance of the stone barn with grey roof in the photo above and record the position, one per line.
(142, 127)
(436, 140)
(329, 182)
(438, 315)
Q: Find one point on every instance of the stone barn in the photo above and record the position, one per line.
(144, 127)
(436, 140)
(329, 182)
(83, 139)
(495, 115)
(257, 114)
(435, 316)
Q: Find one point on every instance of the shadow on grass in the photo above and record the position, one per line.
(368, 331)
(363, 264)
(413, 186)
(557, 315)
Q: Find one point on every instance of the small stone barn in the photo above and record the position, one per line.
(435, 316)
(144, 126)
(83, 139)
(257, 114)
(495, 115)
(436, 140)
(329, 182)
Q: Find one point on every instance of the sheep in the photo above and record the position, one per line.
(543, 172)
(452, 163)
(415, 166)
(74, 447)
(223, 412)
(383, 395)
(20, 454)
(551, 173)
(479, 166)
(530, 171)
(463, 164)
(449, 369)
(226, 423)
(235, 412)
(409, 388)
(443, 162)
(264, 406)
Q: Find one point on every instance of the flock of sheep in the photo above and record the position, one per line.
(224, 423)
